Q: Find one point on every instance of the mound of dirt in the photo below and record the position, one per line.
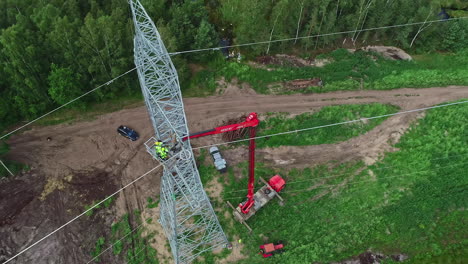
(303, 83)
(388, 52)
(289, 60)
(234, 88)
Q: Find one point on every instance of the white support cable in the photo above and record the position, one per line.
(282, 133)
(289, 182)
(80, 215)
(372, 180)
(349, 183)
(342, 174)
(231, 46)
(62, 106)
(316, 36)
(334, 124)
(6, 168)
(288, 132)
(295, 191)
(199, 50)
(139, 251)
(113, 244)
(379, 207)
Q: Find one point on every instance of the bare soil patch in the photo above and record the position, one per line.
(392, 53)
(234, 88)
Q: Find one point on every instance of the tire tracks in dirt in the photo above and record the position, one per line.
(368, 147)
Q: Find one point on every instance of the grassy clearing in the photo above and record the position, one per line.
(413, 201)
(202, 84)
(346, 72)
(276, 123)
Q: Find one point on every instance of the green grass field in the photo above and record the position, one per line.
(412, 202)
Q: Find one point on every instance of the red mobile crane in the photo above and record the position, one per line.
(254, 201)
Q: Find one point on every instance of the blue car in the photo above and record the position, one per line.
(128, 133)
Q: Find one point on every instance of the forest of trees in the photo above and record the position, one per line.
(52, 51)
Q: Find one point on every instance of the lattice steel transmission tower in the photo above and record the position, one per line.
(187, 217)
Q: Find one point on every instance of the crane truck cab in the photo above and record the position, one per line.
(268, 250)
(219, 161)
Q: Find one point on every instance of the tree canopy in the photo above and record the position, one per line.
(51, 51)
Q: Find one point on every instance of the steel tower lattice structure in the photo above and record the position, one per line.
(186, 214)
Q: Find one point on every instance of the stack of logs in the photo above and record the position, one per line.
(236, 134)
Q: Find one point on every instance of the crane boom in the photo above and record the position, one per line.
(252, 122)
(245, 208)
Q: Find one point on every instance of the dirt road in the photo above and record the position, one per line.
(86, 161)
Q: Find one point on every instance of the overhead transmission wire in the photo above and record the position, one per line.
(113, 244)
(276, 134)
(208, 49)
(344, 218)
(317, 35)
(334, 124)
(231, 46)
(116, 242)
(309, 189)
(335, 176)
(296, 191)
(331, 186)
(69, 102)
(342, 174)
(80, 215)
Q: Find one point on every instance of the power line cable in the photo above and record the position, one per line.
(349, 183)
(80, 215)
(113, 244)
(199, 50)
(231, 46)
(337, 175)
(316, 36)
(341, 219)
(62, 106)
(334, 124)
(282, 133)
(298, 190)
(289, 182)
(301, 190)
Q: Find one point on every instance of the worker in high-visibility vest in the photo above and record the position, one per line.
(160, 150)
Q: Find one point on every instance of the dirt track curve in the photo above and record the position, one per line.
(86, 161)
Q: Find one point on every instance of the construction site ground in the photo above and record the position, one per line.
(86, 161)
